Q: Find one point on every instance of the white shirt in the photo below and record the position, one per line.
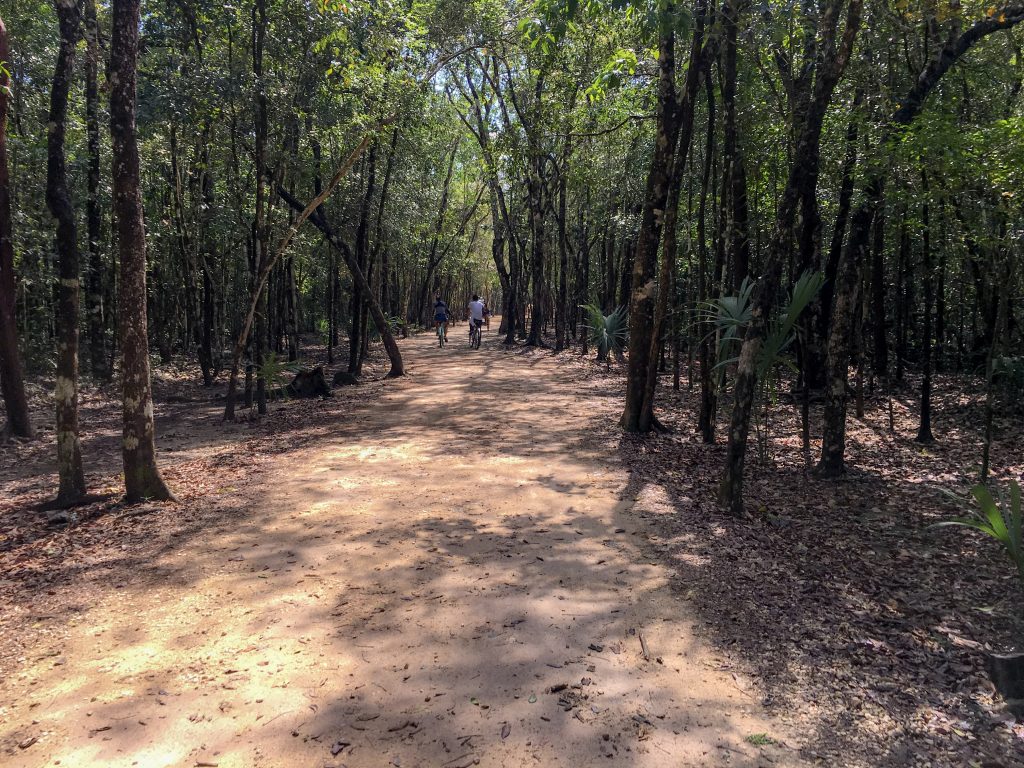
(476, 310)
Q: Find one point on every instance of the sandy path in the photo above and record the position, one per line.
(453, 580)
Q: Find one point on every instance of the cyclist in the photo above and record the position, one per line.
(442, 315)
(476, 314)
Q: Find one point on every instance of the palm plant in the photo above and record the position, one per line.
(273, 369)
(608, 333)
(1001, 520)
(730, 316)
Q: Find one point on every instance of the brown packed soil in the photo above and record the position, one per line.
(452, 569)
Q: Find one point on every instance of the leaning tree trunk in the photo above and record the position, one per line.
(58, 199)
(12, 383)
(142, 478)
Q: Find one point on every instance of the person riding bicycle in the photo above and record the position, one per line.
(476, 314)
(442, 315)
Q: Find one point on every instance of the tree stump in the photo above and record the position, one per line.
(344, 379)
(306, 384)
(1007, 673)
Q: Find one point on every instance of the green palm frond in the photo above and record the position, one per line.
(1000, 518)
(608, 333)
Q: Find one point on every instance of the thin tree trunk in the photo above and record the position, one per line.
(562, 305)
(383, 327)
(735, 170)
(802, 173)
(58, 200)
(138, 449)
(260, 228)
(12, 382)
(924, 432)
(1002, 299)
(880, 358)
(708, 405)
(93, 212)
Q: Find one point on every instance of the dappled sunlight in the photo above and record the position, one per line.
(445, 579)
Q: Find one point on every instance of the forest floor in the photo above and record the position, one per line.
(472, 566)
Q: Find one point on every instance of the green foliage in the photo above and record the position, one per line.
(554, 19)
(731, 314)
(622, 65)
(1008, 374)
(1001, 520)
(608, 333)
(274, 369)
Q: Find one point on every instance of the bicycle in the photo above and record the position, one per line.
(475, 334)
(440, 335)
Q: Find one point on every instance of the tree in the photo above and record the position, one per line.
(833, 443)
(142, 479)
(834, 52)
(69, 452)
(12, 382)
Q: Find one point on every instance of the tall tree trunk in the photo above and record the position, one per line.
(535, 194)
(357, 328)
(12, 382)
(738, 240)
(687, 107)
(645, 259)
(138, 450)
(93, 212)
(1003, 288)
(880, 357)
(903, 294)
(207, 255)
(834, 427)
(379, 247)
(924, 432)
(260, 227)
(562, 304)
(705, 329)
(58, 199)
(842, 217)
(802, 174)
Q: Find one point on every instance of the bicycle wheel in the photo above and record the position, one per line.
(440, 337)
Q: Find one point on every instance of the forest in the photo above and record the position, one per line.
(756, 276)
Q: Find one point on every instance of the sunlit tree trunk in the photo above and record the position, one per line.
(58, 200)
(141, 476)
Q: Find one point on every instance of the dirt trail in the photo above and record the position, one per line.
(454, 579)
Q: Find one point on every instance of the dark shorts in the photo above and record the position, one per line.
(478, 323)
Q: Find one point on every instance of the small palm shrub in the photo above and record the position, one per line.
(608, 333)
(998, 517)
(730, 316)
